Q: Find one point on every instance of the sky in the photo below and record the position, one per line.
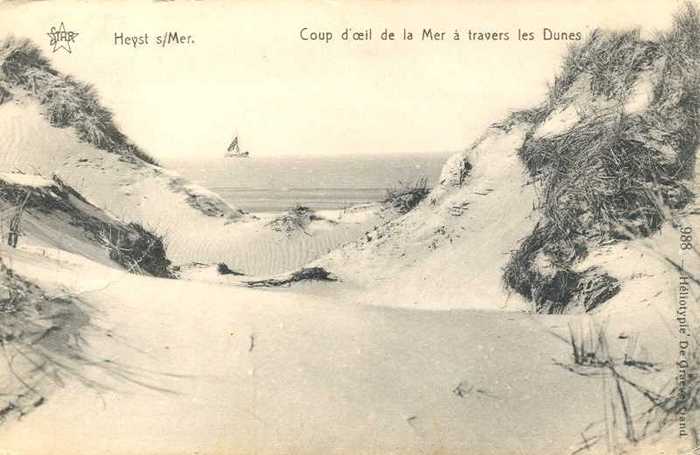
(248, 72)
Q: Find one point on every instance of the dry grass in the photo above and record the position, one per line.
(405, 196)
(42, 348)
(599, 176)
(675, 112)
(541, 269)
(592, 358)
(613, 176)
(39, 338)
(612, 59)
(669, 410)
(67, 102)
(655, 412)
(295, 220)
(137, 249)
(5, 94)
(677, 401)
(131, 245)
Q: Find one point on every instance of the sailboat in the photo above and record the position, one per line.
(234, 150)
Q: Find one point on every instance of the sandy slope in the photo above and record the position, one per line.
(454, 245)
(55, 218)
(647, 305)
(449, 251)
(198, 368)
(197, 224)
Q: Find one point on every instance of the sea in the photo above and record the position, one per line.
(271, 184)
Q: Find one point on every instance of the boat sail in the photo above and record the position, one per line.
(234, 150)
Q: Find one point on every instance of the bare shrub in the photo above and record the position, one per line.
(136, 249)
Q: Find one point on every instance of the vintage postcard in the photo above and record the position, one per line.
(349, 227)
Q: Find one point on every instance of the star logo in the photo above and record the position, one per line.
(59, 38)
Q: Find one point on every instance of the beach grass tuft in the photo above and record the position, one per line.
(66, 101)
(614, 175)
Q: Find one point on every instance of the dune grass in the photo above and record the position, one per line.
(613, 59)
(613, 176)
(405, 196)
(296, 220)
(66, 101)
(40, 338)
(293, 220)
(670, 409)
(136, 249)
(5, 94)
(131, 245)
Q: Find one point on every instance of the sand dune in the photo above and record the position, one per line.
(452, 247)
(410, 350)
(197, 225)
(54, 216)
(227, 369)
